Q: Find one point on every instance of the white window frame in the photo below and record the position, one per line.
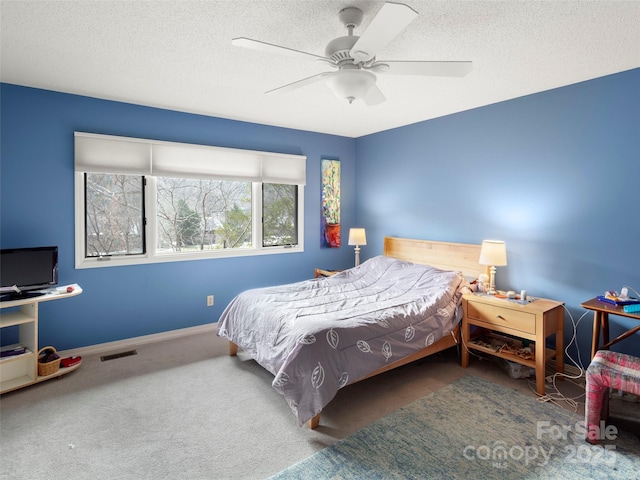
(279, 167)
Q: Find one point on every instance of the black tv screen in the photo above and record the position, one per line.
(29, 268)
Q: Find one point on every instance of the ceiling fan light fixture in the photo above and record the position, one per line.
(351, 84)
(354, 56)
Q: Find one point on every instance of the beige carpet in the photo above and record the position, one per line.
(185, 409)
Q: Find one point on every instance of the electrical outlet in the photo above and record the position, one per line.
(209, 300)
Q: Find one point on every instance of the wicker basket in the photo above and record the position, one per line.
(47, 368)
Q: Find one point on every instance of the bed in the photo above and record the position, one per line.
(322, 334)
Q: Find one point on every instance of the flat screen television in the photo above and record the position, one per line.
(23, 270)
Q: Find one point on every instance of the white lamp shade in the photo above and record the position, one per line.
(357, 236)
(493, 252)
(351, 85)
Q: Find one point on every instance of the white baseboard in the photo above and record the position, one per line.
(128, 343)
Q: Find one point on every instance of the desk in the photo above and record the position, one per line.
(601, 311)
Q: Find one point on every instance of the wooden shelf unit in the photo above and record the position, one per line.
(22, 370)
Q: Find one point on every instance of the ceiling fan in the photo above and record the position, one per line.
(354, 56)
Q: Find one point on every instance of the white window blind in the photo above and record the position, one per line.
(194, 161)
(110, 154)
(104, 154)
(284, 169)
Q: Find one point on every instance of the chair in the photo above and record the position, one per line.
(607, 370)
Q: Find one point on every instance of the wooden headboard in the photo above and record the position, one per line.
(444, 255)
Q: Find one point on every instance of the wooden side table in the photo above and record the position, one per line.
(319, 272)
(533, 321)
(601, 311)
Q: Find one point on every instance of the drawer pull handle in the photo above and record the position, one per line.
(501, 317)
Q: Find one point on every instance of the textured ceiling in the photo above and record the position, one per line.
(178, 54)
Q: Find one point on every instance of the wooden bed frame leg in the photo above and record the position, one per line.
(233, 349)
(314, 422)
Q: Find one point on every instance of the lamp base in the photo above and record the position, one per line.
(492, 280)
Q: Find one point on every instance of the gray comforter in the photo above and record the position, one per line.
(319, 335)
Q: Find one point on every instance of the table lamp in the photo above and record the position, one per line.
(494, 254)
(357, 237)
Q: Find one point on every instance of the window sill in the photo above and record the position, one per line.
(118, 261)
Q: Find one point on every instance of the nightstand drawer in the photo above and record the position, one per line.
(504, 317)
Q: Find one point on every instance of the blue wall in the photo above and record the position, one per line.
(555, 174)
(37, 208)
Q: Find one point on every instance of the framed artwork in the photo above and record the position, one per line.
(330, 222)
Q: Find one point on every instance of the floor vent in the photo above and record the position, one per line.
(113, 356)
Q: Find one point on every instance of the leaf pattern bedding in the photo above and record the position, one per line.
(319, 335)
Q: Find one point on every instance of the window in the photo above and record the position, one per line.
(141, 201)
(197, 214)
(280, 219)
(114, 215)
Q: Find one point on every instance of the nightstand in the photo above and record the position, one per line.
(319, 272)
(533, 321)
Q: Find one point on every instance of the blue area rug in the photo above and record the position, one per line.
(473, 429)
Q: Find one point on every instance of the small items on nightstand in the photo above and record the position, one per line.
(483, 283)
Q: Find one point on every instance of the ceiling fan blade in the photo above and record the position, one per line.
(388, 22)
(431, 69)
(374, 96)
(270, 48)
(299, 83)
